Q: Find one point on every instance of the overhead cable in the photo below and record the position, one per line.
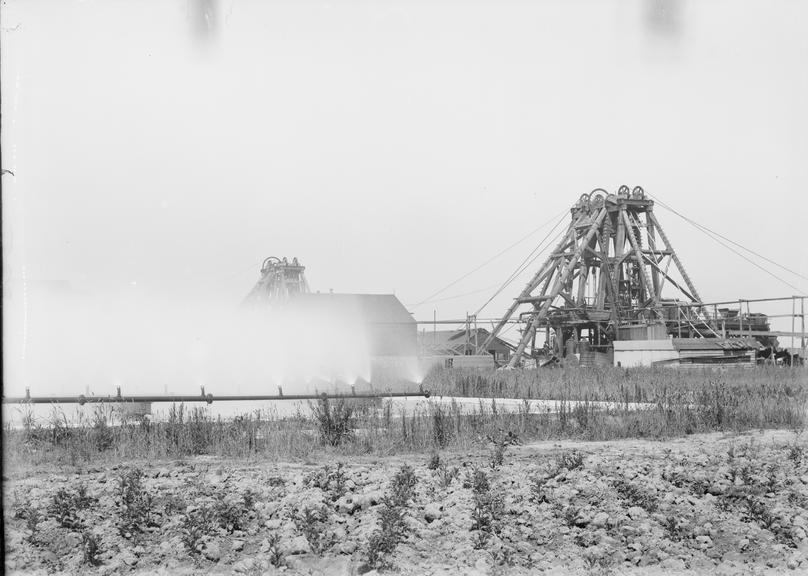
(494, 257)
(715, 236)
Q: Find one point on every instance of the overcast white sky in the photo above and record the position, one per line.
(159, 155)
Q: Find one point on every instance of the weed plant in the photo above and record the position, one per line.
(133, 502)
(392, 528)
(486, 511)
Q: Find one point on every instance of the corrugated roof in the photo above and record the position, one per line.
(455, 340)
(715, 343)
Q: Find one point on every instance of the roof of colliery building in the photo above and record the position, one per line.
(456, 339)
(716, 343)
(366, 308)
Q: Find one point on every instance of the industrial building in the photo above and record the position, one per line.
(375, 325)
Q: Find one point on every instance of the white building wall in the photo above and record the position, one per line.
(629, 353)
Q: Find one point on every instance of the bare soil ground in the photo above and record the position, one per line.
(706, 504)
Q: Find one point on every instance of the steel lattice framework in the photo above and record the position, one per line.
(609, 270)
(279, 280)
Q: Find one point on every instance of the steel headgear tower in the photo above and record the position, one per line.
(279, 280)
(608, 271)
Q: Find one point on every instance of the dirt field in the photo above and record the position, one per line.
(706, 504)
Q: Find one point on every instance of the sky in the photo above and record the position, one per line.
(159, 151)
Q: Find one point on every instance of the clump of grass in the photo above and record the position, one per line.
(103, 437)
(441, 426)
(334, 420)
(446, 475)
(594, 561)
(392, 528)
(434, 461)
(133, 502)
(500, 444)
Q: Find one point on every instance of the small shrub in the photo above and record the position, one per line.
(674, 530)
(595, 561)
(486, 511)
(275, 553)
(771, 483)
(538, 493)
(102, 435)
(797, 500)
(133, 502)
(497, 456)
(335, 422)
(403, 485)
(196, 525)
(330, 480)
(505, 556)
(500, 445)
(336, 482)
(570, 460)
(66, 505)
(434, 461)
(570, 515)
(796, 454)
(32, 518)
(311, 522)
(446, 475)
(636, 496)
(170, 504)
(441, 425)
(90, 548)
(383, 541)
(230, 514)
(760, 512)
(249, 497)
(585, 539)
(392, 529)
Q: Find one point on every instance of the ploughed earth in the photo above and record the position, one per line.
(707, 504)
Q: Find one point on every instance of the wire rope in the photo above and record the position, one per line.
(497, 255)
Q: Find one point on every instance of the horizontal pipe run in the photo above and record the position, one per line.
(209, 398)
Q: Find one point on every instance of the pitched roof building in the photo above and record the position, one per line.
(462, 343)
